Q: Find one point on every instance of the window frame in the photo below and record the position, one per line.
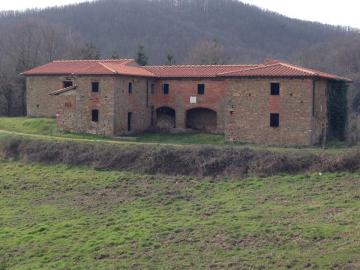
(130, 121)
(201, 89)
(67, 82)
(166, 89)
(275, 91)
(130, 88)
(96, 89)
(93, 116)
(152, 89)
(275, 123)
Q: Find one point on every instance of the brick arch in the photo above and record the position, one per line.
(203, 119)
(165, 118)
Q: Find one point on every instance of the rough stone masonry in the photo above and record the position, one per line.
(274, 103)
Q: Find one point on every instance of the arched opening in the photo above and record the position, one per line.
(201, 119)
(165, 118)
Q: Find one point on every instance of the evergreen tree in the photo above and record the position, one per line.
(141, 57)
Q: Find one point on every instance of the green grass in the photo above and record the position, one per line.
(47, 126)
(41, 126)
(192, 138)
(57, 217)
(47, 129)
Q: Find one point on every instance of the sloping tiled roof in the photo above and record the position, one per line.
(194, 71)
(128, 70)
(128, 67)
(89, 67)
(64, 90)
(280, 69)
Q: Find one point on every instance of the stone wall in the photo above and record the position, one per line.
(180, 92)
(137, 103)
(113, 101)
(249, 105)
(242, 106)
(74, 108)
(320, 112)
(38, 101)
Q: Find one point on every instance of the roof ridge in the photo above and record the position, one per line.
(248, 69)
(306, 70)
(105, 66)
(316, 72)
(233, 65)
(93, 60)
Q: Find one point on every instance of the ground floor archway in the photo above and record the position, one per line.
(201, 119)
(165, 118)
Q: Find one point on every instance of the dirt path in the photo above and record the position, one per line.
(59, 138)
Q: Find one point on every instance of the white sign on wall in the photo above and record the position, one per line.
(192, 100)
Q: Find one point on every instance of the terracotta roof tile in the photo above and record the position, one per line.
(128, 70)
(279, 69)
(271, 68)
(194, 71)
(78, 67)
(64, 90)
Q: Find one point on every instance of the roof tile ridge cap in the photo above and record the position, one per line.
(232, 65)
(143, 68)
(108, 68)
(306, 70)
(94, 60)
(248, 69)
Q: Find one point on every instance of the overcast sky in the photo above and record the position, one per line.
(343, 12)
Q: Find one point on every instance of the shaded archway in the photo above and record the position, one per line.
(165, 118)
(201, 119)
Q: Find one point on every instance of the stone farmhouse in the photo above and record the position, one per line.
(271, 103)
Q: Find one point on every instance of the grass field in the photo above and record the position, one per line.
(56, 217)
(47, 126)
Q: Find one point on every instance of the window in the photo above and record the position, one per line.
(95, 87)
(166, 88)
(95, 115)
(275, 89)
(152, 89)
(201, 89)
(129, 121)
(274, 120)
(67, 84)
(130, 88)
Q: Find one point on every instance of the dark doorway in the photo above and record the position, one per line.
(201, 119)
(130, 121)
(165, 118)
(95, 115)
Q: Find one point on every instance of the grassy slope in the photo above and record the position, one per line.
(47, 126)
(47, 129)
(55, 217)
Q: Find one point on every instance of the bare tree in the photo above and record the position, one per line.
(207, 53)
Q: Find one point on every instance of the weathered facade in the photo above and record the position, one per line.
(301, 106)
(272, 103)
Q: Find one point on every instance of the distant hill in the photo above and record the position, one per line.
(247, 33)
(115, 28)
